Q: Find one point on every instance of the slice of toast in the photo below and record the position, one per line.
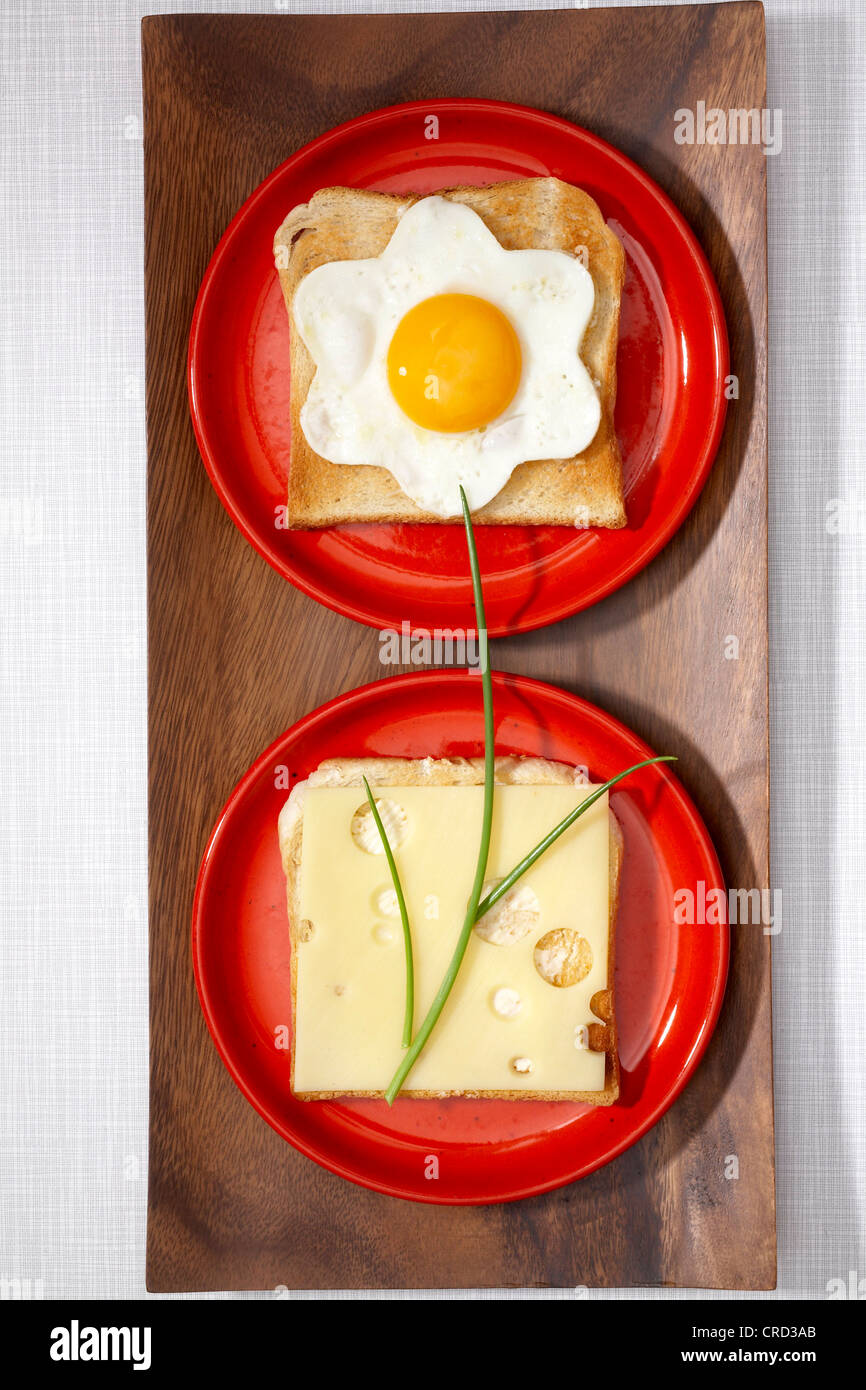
(541, 214)
(438, 772)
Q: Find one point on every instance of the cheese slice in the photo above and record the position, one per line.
(505, 1027)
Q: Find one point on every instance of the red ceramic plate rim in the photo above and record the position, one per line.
(705, 451)
(614, 1148)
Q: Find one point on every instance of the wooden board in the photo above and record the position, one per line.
(233, 654)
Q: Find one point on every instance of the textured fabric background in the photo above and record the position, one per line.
(73, 1035)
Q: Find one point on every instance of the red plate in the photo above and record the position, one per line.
(669, 981)
(671, 364)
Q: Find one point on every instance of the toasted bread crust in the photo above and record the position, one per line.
(541, 213)
(399, 772)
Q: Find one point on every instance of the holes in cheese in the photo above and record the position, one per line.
(365, 832)
(522, 1066)
(563, 957)
(384, 935)
(601, 1005)
(505, 1002)
(512, 918)
(305, 929)
(385, 902)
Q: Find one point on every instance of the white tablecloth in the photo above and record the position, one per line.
(73, 1024)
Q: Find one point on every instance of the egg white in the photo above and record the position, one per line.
(347, 312)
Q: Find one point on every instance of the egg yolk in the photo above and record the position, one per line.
(454, 363)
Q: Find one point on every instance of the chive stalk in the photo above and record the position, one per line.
(433, 1013)
(527, 862)
(476, 908)
(409, 1012)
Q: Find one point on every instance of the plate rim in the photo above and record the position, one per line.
(332, 1163)
(642, 556)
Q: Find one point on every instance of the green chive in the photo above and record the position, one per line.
(475, 908)
(409, 1015)
(526, 863)
(454, 964)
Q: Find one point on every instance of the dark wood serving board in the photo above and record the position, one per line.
(231, 1205)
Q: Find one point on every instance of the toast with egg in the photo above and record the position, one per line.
(526, 214)
(601, 1035)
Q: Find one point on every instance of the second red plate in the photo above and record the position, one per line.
(671, 365)
(669, 979)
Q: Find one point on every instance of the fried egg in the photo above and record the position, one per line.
(447, 359)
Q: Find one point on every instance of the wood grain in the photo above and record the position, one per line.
(231, 1206)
